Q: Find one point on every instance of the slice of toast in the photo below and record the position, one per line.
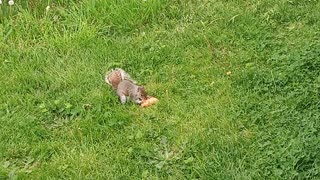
(150, 101)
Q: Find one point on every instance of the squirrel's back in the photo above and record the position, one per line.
(135, 92)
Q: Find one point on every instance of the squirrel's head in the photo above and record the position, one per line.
(141, 95)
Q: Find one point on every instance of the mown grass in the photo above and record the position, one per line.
(60, 120)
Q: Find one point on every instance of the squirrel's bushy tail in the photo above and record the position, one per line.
(115, 76)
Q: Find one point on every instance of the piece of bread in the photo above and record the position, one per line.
(150, 101)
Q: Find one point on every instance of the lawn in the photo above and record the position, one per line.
(238, 83)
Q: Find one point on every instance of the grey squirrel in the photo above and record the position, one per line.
(125, 87)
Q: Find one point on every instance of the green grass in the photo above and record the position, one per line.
(59, 120)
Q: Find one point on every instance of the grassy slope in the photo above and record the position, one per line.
(59, 119)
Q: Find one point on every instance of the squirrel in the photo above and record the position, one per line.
(125, 87)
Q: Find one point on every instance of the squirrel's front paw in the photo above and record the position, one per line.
(123, 99)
